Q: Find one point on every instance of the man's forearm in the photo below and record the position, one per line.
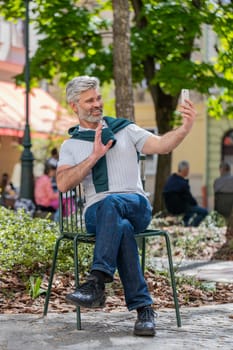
(165, 143)
(70, 177)
(171, 140)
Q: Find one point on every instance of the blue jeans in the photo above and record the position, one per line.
(194, 216)
(116, 220)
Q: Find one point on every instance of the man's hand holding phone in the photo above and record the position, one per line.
(187, 110)
(184, 96)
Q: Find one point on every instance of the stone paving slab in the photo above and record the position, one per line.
(206, 327)
(204, 270)
(211, 271)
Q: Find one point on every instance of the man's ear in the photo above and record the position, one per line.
(74, 106)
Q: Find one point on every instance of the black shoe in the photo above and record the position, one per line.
(145, 324)
(90, 294)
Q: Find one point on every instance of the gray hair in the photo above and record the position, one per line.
(183, 165)
(78, 85)
(225, 166)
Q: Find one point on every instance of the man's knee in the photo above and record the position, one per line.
(110, 199)
(111, 203)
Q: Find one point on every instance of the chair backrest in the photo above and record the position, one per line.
(71, 205)
(223, 203)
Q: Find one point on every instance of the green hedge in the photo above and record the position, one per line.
(28, 243)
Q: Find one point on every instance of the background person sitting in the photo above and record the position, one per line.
(179, 199)
(223, 190)
(54, 156)
(224, 183)
(53, 160)
(46, 198)
(8, 191)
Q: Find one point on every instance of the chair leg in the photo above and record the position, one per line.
(48, 293)
(143, 256)
(172, 275)
(76, 274)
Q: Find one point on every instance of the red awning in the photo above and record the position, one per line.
(46, 115)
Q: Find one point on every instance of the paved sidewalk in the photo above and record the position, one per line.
(207, 327)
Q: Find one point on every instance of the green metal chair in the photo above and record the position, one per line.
(72, 228)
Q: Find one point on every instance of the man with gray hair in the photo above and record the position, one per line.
(102, 154)
(179, 199)
(224, 183)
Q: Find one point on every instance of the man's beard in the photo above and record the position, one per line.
(91, 118)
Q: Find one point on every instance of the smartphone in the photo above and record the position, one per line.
(184, 95)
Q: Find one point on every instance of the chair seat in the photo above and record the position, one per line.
(81, 237)
(151, 232)
(86, 236)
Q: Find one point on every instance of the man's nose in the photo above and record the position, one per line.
(98, 103)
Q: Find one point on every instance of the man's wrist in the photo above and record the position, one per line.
(184, 130)
(93, 159)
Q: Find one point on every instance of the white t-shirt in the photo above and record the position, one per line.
(122, 162)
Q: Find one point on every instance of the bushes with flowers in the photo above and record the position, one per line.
(28, 243)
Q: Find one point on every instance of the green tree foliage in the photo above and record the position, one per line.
(174, 29)
(222, 104)
(70, 39)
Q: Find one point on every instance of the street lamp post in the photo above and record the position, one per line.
(27, 185)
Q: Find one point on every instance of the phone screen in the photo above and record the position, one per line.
(184, 95)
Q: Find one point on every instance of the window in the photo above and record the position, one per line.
(17, 30)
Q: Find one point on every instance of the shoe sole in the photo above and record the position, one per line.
(145, 332)
(97, 304)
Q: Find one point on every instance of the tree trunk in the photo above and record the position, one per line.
(122, 60)
(225, 252)
(229, 232)
(165, 107)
